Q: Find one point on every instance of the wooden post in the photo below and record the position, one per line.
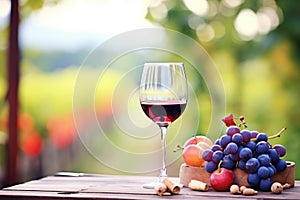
(13, 81)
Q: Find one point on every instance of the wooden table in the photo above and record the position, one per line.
(92, 186)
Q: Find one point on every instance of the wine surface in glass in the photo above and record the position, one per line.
(163, 113)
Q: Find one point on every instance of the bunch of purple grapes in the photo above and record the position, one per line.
(247, 150)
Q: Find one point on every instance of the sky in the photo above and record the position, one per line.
(75, 24)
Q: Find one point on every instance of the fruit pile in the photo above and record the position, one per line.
(246, 150)
(193, 149)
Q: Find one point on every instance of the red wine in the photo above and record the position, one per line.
(163, 112)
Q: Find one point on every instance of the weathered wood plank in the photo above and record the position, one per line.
(117, 187)
(51, 195)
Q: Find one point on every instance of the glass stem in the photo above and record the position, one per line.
(163, 171)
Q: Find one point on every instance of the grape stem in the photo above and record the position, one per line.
(273, 136)
(219, 166)
(243, 122)
(277, 134)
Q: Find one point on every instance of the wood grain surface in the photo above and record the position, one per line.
(93, 186)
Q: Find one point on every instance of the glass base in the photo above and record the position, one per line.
(152, 185)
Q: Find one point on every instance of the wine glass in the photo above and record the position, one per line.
(163, 97)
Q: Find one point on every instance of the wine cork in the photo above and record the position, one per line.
(160, 189)
(198, 185)
(249, 191)
(173, 187)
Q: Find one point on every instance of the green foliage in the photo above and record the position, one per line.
(29, 6)
(45, 95)
(261, 74)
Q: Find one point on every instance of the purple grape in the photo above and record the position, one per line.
(246, 134)
(235, 156)
(261, 137)
(280, 149)
(252, 165)
(265, 184)
(231, 130)
(207, 154)
(245, 154)
(241, 164)
(210, 166)
(231, 148)
(281, 165)
(251, 145)
(264, 159)
(237, 138)
(227, 162)
(254, 134)
(262, 147)
(272, 170)
(217, 156)
(263, 172)
(217, 142)
(253, 180)
(225, 139)
(240, 148)
(274, 155)
(216, 147)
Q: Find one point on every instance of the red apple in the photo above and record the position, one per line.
(221, 179)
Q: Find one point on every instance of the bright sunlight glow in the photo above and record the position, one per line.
(249, 24)
(199, 7)
(78, 23)
(246, 24)
(4, 8)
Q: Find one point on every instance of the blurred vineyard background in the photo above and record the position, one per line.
(254, 44)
